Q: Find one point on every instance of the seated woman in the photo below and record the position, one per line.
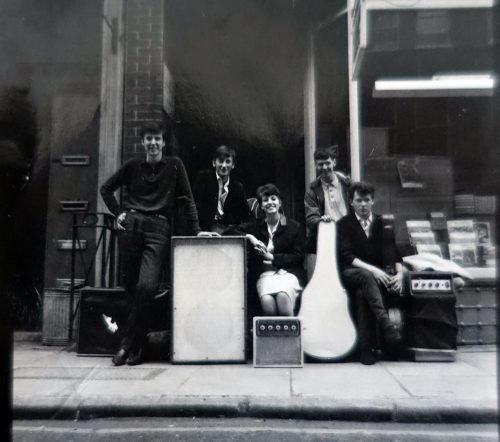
(276, 261)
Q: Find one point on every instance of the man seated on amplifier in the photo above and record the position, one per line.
(154, 186)
(370, 265)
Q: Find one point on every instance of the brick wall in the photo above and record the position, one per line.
(143, 94)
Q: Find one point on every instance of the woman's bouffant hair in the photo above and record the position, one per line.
(267, 190)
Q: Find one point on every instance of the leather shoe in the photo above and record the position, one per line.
(367, 357)
(136, 357)
(392, 335)
(120, 357)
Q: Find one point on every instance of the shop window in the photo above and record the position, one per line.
(432, 29)
(385, 31)
(420, 127)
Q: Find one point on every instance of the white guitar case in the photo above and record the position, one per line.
(328, 331)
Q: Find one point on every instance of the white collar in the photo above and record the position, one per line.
(219, 180)
(369, 219)
(334, 182)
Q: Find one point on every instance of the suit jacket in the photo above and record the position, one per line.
(206, 195)
(288, 243)
(379, 249)
(314, 208)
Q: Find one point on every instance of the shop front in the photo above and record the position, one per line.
(422, 75)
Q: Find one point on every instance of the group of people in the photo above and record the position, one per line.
(154, 186)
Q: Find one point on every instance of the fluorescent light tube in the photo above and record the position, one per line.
(438, 85)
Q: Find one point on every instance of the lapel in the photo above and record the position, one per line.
(318, 190)
(279, 230)
(357, 227)
(263, 229)
(230, 190)
(213, 185)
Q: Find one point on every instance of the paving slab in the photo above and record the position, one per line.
(350, 380)
(53, 382)
(239, 380)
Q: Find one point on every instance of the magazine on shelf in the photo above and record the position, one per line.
(414, 226)
(462, 237)
(422, 238)
(460, 225)
(437, 220)
(464, 255)
(490, 255)
(482, 231)
(435, 249)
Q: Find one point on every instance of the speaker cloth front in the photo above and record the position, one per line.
(432, 322)
(208, 304)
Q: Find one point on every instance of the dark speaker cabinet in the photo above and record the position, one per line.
(102, 316)
(432, 322)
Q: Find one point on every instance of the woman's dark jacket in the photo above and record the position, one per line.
(288, 243)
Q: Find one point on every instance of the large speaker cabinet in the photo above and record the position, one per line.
(209, 299)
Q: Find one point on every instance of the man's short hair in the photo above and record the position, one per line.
(153, 128)
(267, 190)
(363, 188)
(323, 153)
(223, 152)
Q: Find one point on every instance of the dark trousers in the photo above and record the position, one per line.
(143, 248)
(367, 302)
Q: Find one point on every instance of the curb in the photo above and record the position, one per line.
(317, 408)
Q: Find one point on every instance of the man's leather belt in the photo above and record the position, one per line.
(151, 214)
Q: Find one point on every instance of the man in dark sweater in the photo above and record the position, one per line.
(220, 199)
(370, 265)
(153, 187)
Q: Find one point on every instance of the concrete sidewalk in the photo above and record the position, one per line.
(50, 382)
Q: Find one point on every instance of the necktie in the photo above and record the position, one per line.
(365, 225)
(222, 198)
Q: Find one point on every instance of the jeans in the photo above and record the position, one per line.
(143, 248)
(367, 298)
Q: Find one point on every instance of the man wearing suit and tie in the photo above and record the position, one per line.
(220, 199)
(367, 251)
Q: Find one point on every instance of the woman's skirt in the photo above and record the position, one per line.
(275, 281)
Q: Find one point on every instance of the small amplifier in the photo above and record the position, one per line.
(431, 317)
(277, 342)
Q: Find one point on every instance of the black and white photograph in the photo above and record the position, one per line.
(248, 220)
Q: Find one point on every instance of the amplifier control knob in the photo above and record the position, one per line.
(262, 327)
(285, 327)
(294, 327)
(278, 327)
(269, 327)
